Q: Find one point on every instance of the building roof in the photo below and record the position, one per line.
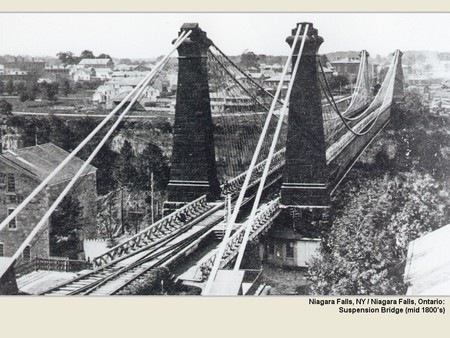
(427, 270)
(346, 60)
(103, 70)
(83, 71)
(277, 78)
(94, 61)
(127, 81)
(41, 160)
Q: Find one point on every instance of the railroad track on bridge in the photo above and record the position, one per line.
(116, 275)
(158, 245)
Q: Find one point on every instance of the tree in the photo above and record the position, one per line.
(64, 87)
(365, 252)
(49, 90)
(87, 54)
(61, 133)
(67, 58)
(21, 89)
(337, 82)
(249, 60)
(65, 229)
(152, 160)
(2, 87)
(5, 108)
(379, 214)
(32, 90)
(105, 161)
(125, 172)
(104, 56)
(9, 87)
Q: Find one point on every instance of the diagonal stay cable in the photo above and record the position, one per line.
(248, 175)
(270, 156)
(69, 157)
(99, 146)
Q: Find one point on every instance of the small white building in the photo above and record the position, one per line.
(83, 75)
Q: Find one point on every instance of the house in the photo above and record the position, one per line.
(31, 67)
(83, 74)
(56, 72)
(271, 84)
(150, 95)
(348, 66)
(21, 171)
(14, 75)
(97, 63)
(226, 102)
(104, 93)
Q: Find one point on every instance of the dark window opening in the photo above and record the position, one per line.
(12, 224)
(11, 187)
(290, 250)
(27, 253)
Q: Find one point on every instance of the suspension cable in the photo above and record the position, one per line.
(245, 74)
(47, 215)
(55, 171)
(237, 82)
(270, 156)
(362, 68)
(249, 173)
(79, 181)
(333, 103)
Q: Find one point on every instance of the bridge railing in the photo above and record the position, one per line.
(51, 264)
(235, 184)
(155, 231)
(263, 219)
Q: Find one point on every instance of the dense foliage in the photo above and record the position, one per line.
(115, 169)
(397, 195)
(65, 230)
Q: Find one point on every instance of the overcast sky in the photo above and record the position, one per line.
(143, 35)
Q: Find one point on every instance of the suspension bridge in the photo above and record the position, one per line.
(259, 161)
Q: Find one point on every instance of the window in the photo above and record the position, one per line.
(2, 250)
(11, 183)
(278, 249)
(290, 250)
(2, 181)
(12, 224)
(27, 253)
(13, 199)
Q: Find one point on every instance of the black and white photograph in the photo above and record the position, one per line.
(225, 154)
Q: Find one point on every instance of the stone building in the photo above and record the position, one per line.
(348, 66)
(21, 171)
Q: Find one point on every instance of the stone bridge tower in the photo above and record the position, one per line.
(193, 172)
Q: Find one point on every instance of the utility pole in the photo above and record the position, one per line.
(153, 196)
(121, 210)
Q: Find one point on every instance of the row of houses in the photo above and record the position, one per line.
(85, 70)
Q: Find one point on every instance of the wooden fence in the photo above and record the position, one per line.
(51, 264)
